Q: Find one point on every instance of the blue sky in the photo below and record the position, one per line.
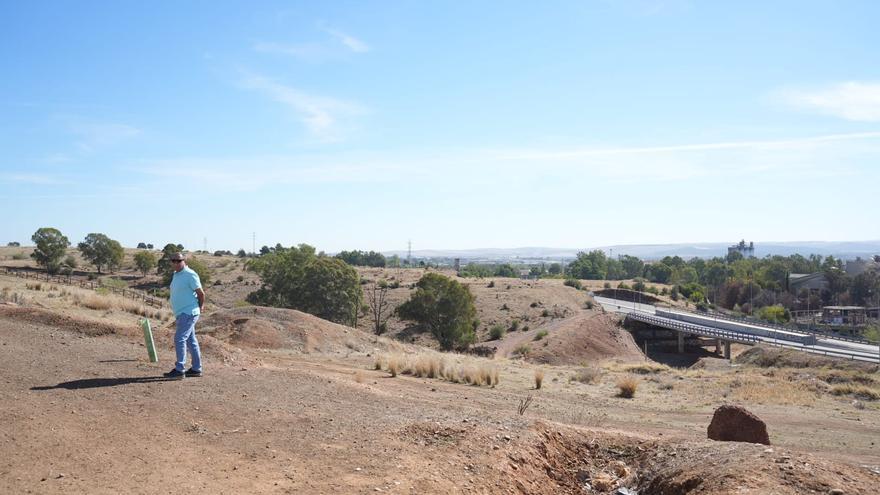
(362, 125)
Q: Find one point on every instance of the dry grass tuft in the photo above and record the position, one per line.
(627, 387)
(359, 376)
(646, 368)
(434, 365)
(97, 302)
(588, 375)
(539, 378)
(396, 364)
(857, 391)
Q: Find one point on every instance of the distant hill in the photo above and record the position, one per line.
(846, 250)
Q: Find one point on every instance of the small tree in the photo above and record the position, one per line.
(196, 265)
(145, 261)
(377, 300)
(297, 278)
(51, 245)
(164, 264)
(445, 307)
(101, 250)
(142, 245)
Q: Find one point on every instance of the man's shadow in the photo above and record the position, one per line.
(103, 382)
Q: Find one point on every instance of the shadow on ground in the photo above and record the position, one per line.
(103, 382)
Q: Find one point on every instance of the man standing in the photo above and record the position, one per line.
(187, 302)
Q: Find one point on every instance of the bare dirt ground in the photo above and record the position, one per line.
(291, 403)
(84, 412)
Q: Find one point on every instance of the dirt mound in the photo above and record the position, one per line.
(769, 357)
(568, 460)
(586, 337)
(276, 328)
(65, 322)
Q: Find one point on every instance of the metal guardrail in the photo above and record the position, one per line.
(839, 354)
(745, 338)
(818, 333)
(132, 294)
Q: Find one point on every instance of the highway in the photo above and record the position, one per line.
(710, 326)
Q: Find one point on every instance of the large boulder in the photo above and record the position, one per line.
(736, 424)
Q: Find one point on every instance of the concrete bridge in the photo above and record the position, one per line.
(725, 330)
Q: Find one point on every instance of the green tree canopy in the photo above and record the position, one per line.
(362, 258)
(102, 251)
(589, 266)
(51, 246)
(193, 263)
(145, 261)
(632, 267)
(445, 307)
(297, 278)
(164, 265)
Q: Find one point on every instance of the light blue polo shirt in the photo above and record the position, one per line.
(183, 292)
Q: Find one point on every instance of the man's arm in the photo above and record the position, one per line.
(201, 295)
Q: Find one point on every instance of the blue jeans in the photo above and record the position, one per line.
(185, 338)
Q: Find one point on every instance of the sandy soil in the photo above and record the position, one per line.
(84, 412)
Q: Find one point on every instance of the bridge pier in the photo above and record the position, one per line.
(717, 346)
(681, 342)
(727, 350)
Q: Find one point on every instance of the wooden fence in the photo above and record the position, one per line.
(132, 294)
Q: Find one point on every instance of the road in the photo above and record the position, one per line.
(824, 346)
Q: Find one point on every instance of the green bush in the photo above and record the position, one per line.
(443, 306)
(540, 335)
(496, 332)
(774, 314)
(297, 278)
(573, 282)
(514, 325)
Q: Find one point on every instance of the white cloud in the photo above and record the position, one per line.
(816, 157)
(255, 172)
(92, 134)
(30, 178)
(349, 41)
(854, 100)
(321, 115)
(305, 51)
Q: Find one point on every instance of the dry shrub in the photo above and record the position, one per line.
(646, 368)
(627, 387)
(857, 391)
(522, 350)
(840, 376)
(539, 378)
(433, 365)
(588, 375)
(770, 390)
(396, 364)
(97, 302)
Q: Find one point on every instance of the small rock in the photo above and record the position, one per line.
(836, 491)
(357, 469)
